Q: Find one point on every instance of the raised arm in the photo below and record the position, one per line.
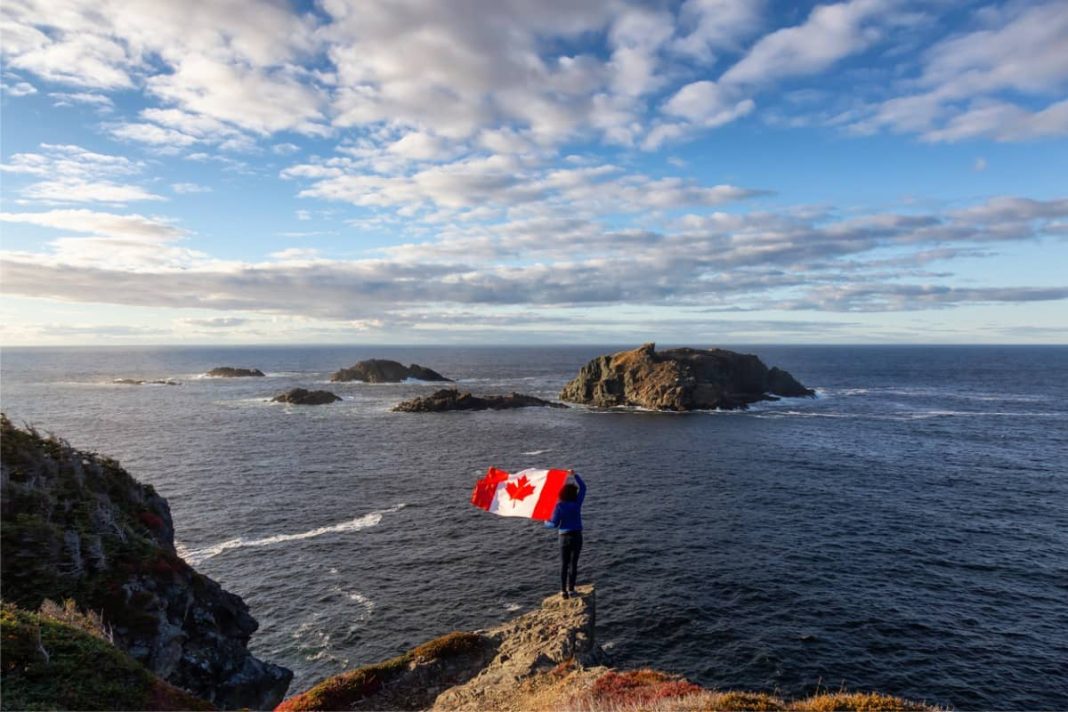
(582, 488)
(554, 521)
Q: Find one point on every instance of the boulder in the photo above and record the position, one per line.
(378, 370)
(452, 399)
(302, 396)
(231, 372)
(679, 380)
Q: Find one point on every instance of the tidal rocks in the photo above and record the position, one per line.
(452, 399)
(140, 382)
(231, 372)
(378, 370)
(302, 396)
(679, 380)
(76, 525)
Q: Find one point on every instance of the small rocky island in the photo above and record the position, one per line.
(453, 399)
(231, 372)
(680, 380)
(302, 396)
(141, 382)
(377, 370)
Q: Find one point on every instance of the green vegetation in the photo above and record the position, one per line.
(342, 692)
(59, 659)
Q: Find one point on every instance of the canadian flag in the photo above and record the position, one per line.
(528, 493)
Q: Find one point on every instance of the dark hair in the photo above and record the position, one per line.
(569, 493)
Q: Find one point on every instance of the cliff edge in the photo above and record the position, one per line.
(546, 659)
(75, 525)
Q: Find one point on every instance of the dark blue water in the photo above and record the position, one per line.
(906, 532)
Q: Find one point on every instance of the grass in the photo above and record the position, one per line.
(66, 663)
(342, 692)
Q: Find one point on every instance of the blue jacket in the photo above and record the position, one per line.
(567, 516)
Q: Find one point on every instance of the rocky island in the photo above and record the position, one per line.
(77, 526)
(680, 380)
(452, 399)
(302, 396)
(141, 382)
(377, 370)
(231, 372)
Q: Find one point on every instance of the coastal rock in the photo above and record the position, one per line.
(452, 399)
(679, 380)
(140, 382)
(76, 525)
(378, 370)
(231, 372)
(547, 659)
(302, 396)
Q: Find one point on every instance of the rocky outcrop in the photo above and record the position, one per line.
(77, 525)
(547, 659)
(679, 380)
(302, 396)
(140, 382)
(452, 399)
(231, 372)
(378, 370)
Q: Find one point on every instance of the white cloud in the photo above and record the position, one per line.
(187, 188)
(71, 174)
(101, 102)
(19, 89)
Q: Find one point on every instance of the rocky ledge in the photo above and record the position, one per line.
(452, 399)
(302, 396)
(231, 372)
(547, 659)
(75, 525)
(680, 380)
(378, 370)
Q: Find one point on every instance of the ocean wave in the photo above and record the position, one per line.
(196, 556)
(535, 452)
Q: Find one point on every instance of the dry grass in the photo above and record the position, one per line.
(88, 622)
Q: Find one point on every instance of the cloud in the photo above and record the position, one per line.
(218, 322)
(991, 82)
(790, 260)
(19, 89)
(101, 102)
(72, 174)
(98, 223)
(187, 188)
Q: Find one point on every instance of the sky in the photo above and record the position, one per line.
(515, 172)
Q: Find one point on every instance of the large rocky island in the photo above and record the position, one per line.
(77, 526)
(680, 380)
(377, 370)
(452, 399)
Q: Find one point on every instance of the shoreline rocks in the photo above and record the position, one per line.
(302, 396)
(448, 399)
(378, 370)
(231, 372)
(680, 380)
(76, 525)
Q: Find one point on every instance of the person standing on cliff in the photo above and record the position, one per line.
(567, 517)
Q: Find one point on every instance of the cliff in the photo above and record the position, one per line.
(547, 659)
(679, 380)
(76, 525)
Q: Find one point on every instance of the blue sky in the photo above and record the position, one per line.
(430, 171)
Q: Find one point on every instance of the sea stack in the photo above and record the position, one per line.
(680, 380)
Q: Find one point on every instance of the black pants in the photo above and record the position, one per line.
(570, 548)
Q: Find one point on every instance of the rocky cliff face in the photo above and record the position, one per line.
(679, 380)
(378, 370)
(77, 525)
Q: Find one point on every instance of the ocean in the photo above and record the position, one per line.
(906, 531)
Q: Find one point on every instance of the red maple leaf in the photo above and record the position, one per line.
(519, 490)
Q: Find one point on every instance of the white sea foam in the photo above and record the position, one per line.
(512, 607)
(535, 452)
(196, 556)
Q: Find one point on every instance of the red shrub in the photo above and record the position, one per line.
(151, 520)
(637, 686)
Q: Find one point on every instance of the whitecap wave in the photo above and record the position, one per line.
(195, 556)
(535, 452)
